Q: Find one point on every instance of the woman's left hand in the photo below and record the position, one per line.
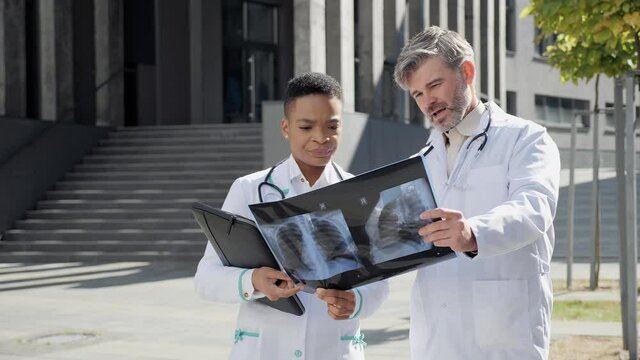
(340, 303)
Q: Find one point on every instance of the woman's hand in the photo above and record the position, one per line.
(274, 284)
(340, 303)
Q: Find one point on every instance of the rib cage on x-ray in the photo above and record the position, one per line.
(290, 243)
(400, 218)
(330, 240)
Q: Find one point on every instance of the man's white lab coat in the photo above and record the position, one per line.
(496, 305)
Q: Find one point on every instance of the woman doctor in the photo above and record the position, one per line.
(329, 328)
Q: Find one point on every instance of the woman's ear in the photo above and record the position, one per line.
(469, 71)
(284, 127)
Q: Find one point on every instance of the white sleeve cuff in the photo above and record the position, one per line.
(246, 291)
(359, 301)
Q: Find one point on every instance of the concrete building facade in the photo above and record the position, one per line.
(156, 62)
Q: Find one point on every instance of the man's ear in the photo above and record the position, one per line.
(469, 71)
(284, 128)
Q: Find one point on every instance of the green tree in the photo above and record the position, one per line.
(593, 37)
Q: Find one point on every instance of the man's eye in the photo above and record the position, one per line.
(305, 128)
(334, 127)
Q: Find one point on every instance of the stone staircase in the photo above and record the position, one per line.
(583, 223)
(130, 199)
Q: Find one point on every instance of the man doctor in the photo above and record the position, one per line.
(495, 178)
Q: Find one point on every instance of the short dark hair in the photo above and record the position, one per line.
(312, 83)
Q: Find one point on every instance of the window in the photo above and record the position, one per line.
(511, 26)
(560, 110)
(545, 41)
(511, 103)
(611, 121)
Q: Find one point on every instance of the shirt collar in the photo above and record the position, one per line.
(295, 174)
(470, 123)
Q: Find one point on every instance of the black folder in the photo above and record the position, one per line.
(238, 242)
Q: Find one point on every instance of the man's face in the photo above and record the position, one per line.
(313, 126)
(442, 93)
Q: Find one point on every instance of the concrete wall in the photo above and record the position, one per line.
(366, 143)
(24, 143)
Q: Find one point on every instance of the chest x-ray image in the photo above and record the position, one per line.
(354, 232)
(394, 223)
(312, 246)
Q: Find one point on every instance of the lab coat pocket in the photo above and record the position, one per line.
(500, 313)
(352, 344)
(246, 344)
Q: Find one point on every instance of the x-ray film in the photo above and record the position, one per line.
(354, 232)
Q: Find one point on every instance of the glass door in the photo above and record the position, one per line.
(250, 58)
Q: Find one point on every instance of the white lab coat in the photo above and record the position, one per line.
(498, 304)
(312, 336)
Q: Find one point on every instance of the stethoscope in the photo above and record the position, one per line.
(266, 182)
(455, 178)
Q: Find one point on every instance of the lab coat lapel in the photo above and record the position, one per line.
(436, 162)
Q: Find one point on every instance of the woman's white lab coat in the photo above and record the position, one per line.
(496, 305)
(263, 332)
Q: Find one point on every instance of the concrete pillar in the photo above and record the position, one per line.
(419, 18)
(3, 57)
(491, 44)
(460, 16)
(195, 58)
(13, 89)
(396, 32)
(370, 33)
(340, 45)
(47, 64)
(501, 52)
(309, 36)
(63, 13)
(212, 70)
(109, 48)
(443, 16)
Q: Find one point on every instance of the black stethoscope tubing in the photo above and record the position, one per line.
(483, 135)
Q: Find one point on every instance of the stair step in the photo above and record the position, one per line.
(96, 257)
(177, 158)
(193, 234)
(180, 141)
(177, 149)
(187, 133)
(150, 194)
(151, 175)
(243, 166)
(167, 213)
(102, 224)
(130, 185)
(107, 246)
(145, 128)
(123, 204)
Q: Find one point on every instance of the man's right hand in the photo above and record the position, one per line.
(264, 279)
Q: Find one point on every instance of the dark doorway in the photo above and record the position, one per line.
(139, 62)
(251, 64)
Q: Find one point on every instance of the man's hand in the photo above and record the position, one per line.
(452, 231)
(340, 304)
(273, 284)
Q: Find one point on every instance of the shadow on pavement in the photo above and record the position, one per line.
(89, 275)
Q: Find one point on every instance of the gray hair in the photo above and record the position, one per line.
(450, 46)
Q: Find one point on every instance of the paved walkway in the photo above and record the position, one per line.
(148, 311)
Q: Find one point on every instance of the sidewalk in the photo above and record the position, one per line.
(148, 311)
